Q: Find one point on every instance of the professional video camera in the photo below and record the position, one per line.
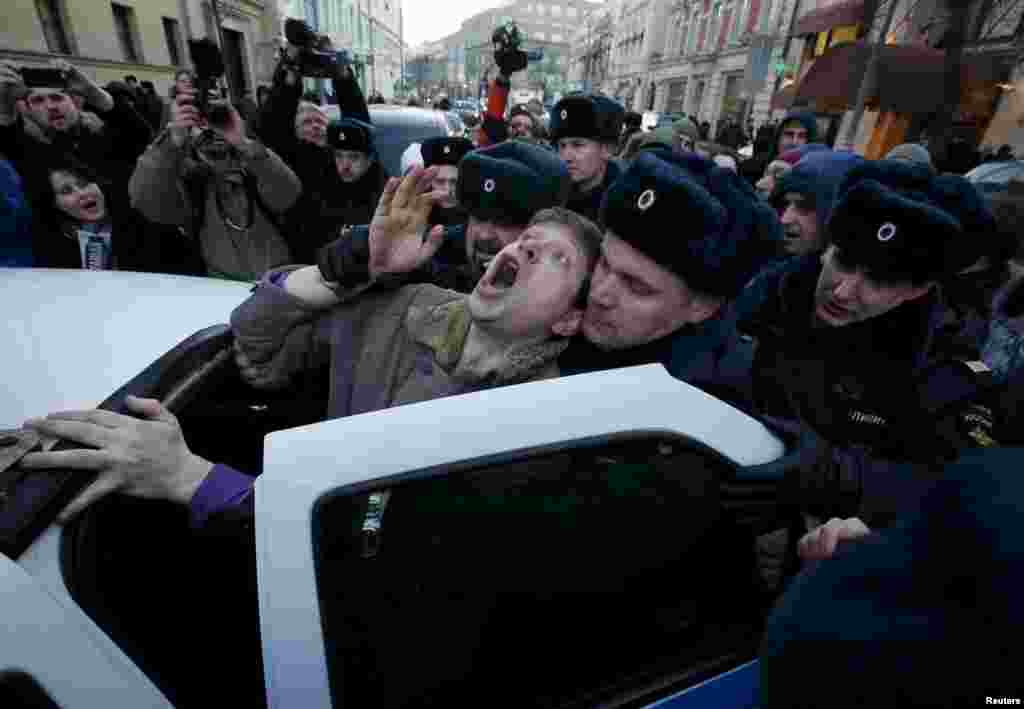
(317, 58)
(508, 54)
(209, 64)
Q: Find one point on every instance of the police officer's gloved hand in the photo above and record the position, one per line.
(822, 484)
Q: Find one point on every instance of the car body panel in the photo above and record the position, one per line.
(738, 688)
(112, 324)
(992, 177)
(63, 651)
(303, 464)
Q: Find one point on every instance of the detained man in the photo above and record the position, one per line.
(384, 347)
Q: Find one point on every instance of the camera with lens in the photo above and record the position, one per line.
(317, 59)
(508, 53)
(209, 64)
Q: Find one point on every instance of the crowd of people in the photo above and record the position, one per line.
(870, 312)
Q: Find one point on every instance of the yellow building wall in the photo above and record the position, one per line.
(95, 43)
(20, 29)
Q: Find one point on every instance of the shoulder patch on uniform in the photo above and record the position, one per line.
(978, 367)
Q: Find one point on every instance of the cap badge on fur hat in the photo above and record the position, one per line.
(886, 232)
(646, 199)
(341, 135)
(488, 185)
(565, 114)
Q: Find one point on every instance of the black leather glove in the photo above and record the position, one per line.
(346, 260)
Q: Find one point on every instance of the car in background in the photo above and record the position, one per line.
(456, 127)
(412, 554)
(993, 177)
(395, 127)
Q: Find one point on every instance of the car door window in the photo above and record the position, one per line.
(559, 577)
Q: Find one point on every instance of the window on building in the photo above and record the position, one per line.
(124, 24)
(570, 12)
(556, 11)
(54, 29)
(714, 26)
(541, 10)
(739, 27)
(173, 35)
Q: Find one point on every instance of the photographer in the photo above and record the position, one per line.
(229, 191)
(337, 165)
(40, 118)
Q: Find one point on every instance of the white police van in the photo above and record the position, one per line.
(584, 541)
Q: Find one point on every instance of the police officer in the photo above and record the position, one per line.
(446, 153)
(500, 187)
(843, 342)
(586, 129)
(664, 295)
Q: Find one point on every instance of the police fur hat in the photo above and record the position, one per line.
(594, 117)
(444, 151)
(351, 134)
(510, 182)
(951, 195)
(727, 233)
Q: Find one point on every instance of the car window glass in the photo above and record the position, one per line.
(553, 578)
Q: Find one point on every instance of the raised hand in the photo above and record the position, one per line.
(184, 117)
(821, 543)
(399, 238)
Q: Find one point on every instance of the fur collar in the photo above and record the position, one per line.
(88, 122)
(444, 328)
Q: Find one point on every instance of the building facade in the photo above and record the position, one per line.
(144, 38)
(372, 32)
(546, 27)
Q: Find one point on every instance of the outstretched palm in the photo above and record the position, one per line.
(398, 242)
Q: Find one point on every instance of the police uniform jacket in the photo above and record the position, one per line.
(589, 203)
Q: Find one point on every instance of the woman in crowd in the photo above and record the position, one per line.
(80, 222)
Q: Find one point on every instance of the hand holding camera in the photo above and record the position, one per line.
(508, 54)
(309, 53)
(184, 118)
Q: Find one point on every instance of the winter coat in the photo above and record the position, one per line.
(1004, 352)
(326, 205)
(136, 244)
(710, 355)
(109, 143)
(589, 203)
(382, 348)
(168, 189)
(15, 220)
(968, 299)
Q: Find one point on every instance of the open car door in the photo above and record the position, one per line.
(564, 543)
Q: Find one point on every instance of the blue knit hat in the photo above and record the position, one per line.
(703, 223)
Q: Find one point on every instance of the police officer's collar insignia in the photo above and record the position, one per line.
(341, 135)
(886, 231)
(564, 114)
(488, 185)
(447, 149)
(647, 198)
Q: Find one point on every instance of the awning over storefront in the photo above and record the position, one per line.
(846, 12)
(910, 79)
